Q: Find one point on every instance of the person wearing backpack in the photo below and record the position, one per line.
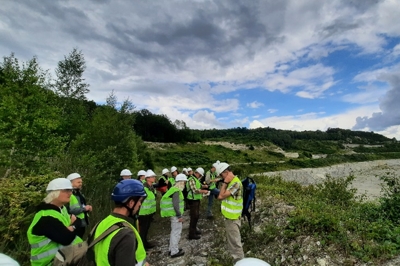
(52, 227)
(148, 208)
(123, 247)
(77, 204)
(172, 205)
(231, 208)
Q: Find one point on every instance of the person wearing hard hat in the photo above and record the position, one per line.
(251, 262)
(162, 185)
(125, 174)
(124, 245)
(141, 176)
(148, 209)
(190, 172)
(52, 226)
(77, 205)
(211, 180)
(195, 194)
(172, 206)
(231, 208)
(171, 179)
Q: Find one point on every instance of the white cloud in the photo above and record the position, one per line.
(255, 104)
(271, 111)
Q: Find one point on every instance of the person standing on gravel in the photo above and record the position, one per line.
(172, 204)
(231, 208)
(211, 180)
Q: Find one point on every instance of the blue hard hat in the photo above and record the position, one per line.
(126, 189)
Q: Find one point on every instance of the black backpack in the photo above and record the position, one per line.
(249, 197)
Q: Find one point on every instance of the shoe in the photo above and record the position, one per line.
(198, 232)
(194, 237)
(149, 245)
(210, 217)
(180, 253)
(169, 252)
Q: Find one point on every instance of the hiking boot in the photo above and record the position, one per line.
(169, 252)
(194, 237)
(198, 232)
(180, 253)
(149, 245)
(210, 217)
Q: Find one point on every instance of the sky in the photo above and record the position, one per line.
(288, 64)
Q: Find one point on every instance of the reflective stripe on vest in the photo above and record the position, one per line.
(212, 177)
(102, 248)
(166, 205)
(230, 207)
(44, 249)
(149, 205)
(191, 195)
(74, 203)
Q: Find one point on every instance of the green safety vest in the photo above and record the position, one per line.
(167, 208)
(75, 204)
(43, 249)
(171, 181)
(65, 213)
(191, 195)
(102, 248)
(212, 177)
(230, 207)
(149, 204)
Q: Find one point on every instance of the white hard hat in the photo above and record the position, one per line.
(215, 164)
(164, 171)
(220, 168)
(173, 169)
(189, 169)
(185, 170)
(73, 176)
(7, 261)
(58, 184)
(251, 262)
(200, 171)
(141, 172)
(150, 173)
(181, 177)
(125, 172)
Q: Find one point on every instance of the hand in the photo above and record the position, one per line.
(180, 220)
(73, 218)
(146, 264)
(88, 208)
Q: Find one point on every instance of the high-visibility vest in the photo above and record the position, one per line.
(65, 213)
(166, 205)
(212, 177)
(230, 207)
(171, 181)
(191, 195)
(102, 248)
(74, 203)
(149, 204)
(43, 249)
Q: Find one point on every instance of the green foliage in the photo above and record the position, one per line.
(390, 201)
(29, 117)
(336, 191)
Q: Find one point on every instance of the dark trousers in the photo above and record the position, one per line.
(80, 231)
(144, 226)
(194, 206)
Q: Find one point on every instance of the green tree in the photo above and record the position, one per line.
(29, 117)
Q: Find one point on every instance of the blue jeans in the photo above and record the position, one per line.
(214, 192)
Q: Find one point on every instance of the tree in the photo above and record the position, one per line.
(69, 82)
(30, 118)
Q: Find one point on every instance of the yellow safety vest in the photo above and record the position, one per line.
(230, 207)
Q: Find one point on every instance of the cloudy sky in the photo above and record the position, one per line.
(287, 64)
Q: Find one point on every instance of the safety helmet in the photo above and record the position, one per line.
(125, 172)
(184, 170)
(173, 169)
(7, 261)
(150, 173)
(58, 184)
(141, 172)
(189, 169)
(126, 189)
(200, 171)
(251, 262)
(73, 176)
(220, 168)
(164, 171)
(215, 164)
(181, 177)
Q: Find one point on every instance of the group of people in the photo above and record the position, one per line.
(62, 217)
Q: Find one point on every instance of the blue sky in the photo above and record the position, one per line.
(297, 65)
